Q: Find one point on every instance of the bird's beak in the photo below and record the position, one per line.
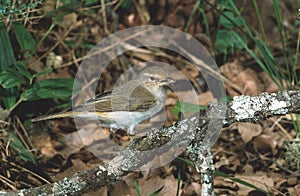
(167, 81)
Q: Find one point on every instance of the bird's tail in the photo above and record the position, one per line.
(53, 116)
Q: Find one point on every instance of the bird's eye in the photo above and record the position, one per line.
(151, 78)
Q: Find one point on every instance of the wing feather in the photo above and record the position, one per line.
(140, 99)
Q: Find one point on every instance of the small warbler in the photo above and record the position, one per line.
(127, 105)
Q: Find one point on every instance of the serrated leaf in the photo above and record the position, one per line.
(24, 38)
(50, 89)
(10, 78)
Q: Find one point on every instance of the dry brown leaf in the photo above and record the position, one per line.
(223, 161)
(68, 20)
(294, 190)
(151, 185)
(244, 78)
(205, 98)
(248, 169)
(264, 143)
(269, 85)
(122, 188)
(45, 144)
(249, 131)
(77, 165)
(258, 179)
(224, 183)
(193, 188)
(3, 114)
(170, 186)
(98, 192)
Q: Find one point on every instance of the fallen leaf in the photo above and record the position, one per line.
(264, 143)
(249, 131)
(259, 180)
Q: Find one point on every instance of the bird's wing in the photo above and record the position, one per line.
(139, 99)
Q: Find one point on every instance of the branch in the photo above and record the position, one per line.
(190, 132)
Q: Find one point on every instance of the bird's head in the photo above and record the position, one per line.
(156, 77)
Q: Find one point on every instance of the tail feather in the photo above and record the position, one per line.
(53, 116)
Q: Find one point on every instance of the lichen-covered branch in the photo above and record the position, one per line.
(190, 132)
(260, 107)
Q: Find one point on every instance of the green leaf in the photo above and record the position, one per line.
(181, 107)
(157, 191)
(6, 59)
(228, 20)
(88, 3)
(10, 78)
(178, 183)
(228, 39)
(24, 38)
(9, 97)
(18, 146)
(136, 186)
(6, 51)
(49, 89)
(42, 73)
(23, 70)
(186, 161)
(126, 4)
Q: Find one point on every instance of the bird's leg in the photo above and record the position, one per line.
(131, 131)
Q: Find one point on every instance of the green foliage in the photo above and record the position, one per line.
(228, 20)
(229, 41)
(186, 161)
(178, 183)
(10, 78)
(292, 154)
(157, 191)
(6, 55)
(17, 82)
(24, 38)
(18, 147)
(235, 34)
(49, 89)
(181, 107)
(6, 59)
(136, 186)
(126, 4)
(231, 21)
(91, 2)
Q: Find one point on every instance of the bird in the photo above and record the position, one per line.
(127, 105)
